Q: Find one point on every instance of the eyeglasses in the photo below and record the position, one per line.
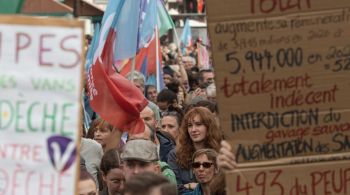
(206, 165)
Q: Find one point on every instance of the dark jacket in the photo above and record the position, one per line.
(166, 144)
(183, 176)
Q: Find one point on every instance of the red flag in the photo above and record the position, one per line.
(112, 96)
(148, 53)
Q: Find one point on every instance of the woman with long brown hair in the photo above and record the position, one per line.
(199, 129)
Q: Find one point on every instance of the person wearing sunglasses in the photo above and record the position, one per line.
(199, 129)
(205, 169)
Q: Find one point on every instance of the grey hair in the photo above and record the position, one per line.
(137, 76)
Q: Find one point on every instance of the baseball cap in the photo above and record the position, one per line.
(141, 150)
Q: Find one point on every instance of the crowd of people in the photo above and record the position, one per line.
(182, 148)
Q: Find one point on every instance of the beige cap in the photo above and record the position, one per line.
(141, 150)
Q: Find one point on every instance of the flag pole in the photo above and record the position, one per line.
(132, 69)
(177, 40)
(157, 61)
(182, 68)
(178, 43)
(134, 58)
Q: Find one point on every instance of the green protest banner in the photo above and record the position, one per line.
(10, 6)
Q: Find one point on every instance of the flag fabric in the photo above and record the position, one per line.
(186, 36)
(147, 22)
(165, 22)
(146, 55)
(154, 17)
(109, 18)
(203, 56)
(128, 30)
(112, 96)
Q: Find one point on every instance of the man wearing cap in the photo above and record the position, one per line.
(140, 156)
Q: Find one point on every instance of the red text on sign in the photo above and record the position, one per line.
(44, 49)
(268, 6)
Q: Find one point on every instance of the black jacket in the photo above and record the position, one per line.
(166, 143)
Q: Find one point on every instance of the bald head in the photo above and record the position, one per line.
(148, 117)
(147, 134)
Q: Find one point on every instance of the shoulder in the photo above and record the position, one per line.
(90, 142)
(172, 158)
(90, 145)
(172, 152)
(165, 137)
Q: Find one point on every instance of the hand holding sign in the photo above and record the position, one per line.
(226, 159)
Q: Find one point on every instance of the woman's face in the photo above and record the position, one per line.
(170, 125)
(115, 181)
(102, 135)
(205, 169)
(197, 130)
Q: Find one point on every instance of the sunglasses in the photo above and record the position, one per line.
(206, 165)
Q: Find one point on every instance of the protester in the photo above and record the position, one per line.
(211, 92)
(146, 145)
(86, 184)
(205, 169)
(166, 100)
(149, 117)
(105, 134)
(147, 134)
(206, 76)
(112, 173)
(198, 130)
(138, 79)
(188, 62)
(151, 93)
(193, 79)
(168, 74)
(162, 139)
(200, 93)
(171, 123)
(140, 156)
(91, 152)
(211, 105)
(149, 183)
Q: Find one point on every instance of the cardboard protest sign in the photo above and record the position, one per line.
(320, 178)
(40, 104)
(282, 76)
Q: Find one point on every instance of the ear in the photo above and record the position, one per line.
(157, 168)
(104, 177)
